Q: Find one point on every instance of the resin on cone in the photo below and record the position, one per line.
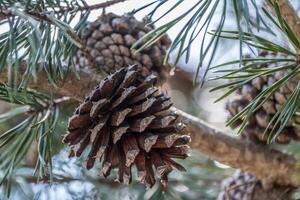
(257, 124)
(127, 122)
(109, 40)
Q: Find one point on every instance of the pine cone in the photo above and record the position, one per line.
(127, 122)
(240, 186)
(109, 40)
(244, 186)
(257, 124)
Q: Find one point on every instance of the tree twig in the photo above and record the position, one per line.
(289, 14)
(269, 165)
(44, 16)
(6, 12)
(91, 7)
(70, 87)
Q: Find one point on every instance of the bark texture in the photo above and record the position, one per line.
(267, 164)
(71, 86)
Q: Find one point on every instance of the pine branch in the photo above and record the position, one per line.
(91, 7)
(41, 33)
(47, 17)
(39, 116)
(70, 86)
(268, 165)
(288, 13)
(42, 17)
(5, 13)
(286, 61)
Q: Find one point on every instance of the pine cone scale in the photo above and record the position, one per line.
(131, 148)
(146, 141)
(125, 94)
(79, 121)
(140, 162)
(97, 106)
(139, 125)
(142, 107)
(118, 132)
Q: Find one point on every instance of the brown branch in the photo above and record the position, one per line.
(268, 165)
(289, 14)
(44, 17)
(91, 7)
(6, 12)
(71, 86)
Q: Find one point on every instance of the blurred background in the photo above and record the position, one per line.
(203, 176)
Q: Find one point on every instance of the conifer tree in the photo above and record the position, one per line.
(109, 72)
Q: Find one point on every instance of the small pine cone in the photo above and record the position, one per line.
(127, 122)
(240, 186)
(109, 40)
(244, 186)
(257, 124)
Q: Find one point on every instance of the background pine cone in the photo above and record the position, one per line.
(127, 122)
(240, 186)
(244, 186)
(261, 118)
(109, 39)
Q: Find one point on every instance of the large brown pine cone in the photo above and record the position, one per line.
(109, 40)
(127, 122)
(240, 186)
(259, 122)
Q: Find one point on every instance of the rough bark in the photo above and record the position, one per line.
(267, 164)
(276, 193)
(71, 86)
